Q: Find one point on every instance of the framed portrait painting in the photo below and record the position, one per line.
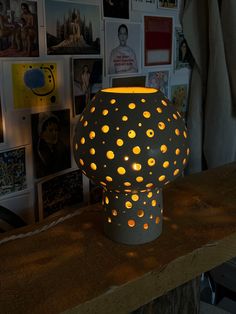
(158, 38)
(51, 142)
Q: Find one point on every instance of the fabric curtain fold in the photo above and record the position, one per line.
(211, 118)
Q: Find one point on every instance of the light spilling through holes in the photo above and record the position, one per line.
(150, 133)
(161, 178)
(139, 179)
(151, 162)
(136, 166)
(92, 151)
(121, 170)
(131, 134)
(105, 128)
(110, 154)
(177, 132)
(131, 223)
(163, 148)
(82, 140)
(92, 135)
(177, 151)
(136, 150)
(105, 112)
(145, 226)
(93, 166)
(135, 197)
(176, 172)
(140, 213)
(112, 101)
(161, 125)
(128, 205)
(109, 179)
(166, 164)
(119, 142)
(114, 212)
(132, 105)
(146, 114)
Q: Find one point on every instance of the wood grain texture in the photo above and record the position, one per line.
(73, 267)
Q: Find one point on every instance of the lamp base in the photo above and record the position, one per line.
(133, 218)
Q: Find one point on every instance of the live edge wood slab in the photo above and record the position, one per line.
(73, 268)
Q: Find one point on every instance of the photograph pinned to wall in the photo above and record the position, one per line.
(179, 98)
(87, 81)
(183, 56)
(51, 142)
(73, 29)
(119, 38)
(116, 9)
(158, 34)
(168, 4)
(36, 84)
(12, 171)
(2, 138)
(19, 29)
(144, 5)
(139, 80)
(159, 80)
(61, 192)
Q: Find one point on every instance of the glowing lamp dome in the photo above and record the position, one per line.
(132, 142)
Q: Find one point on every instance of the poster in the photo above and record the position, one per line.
(60, 192)
(122, 47)
(183, 56)
(12, 171)
(19, 29)
(159, 80)
(1, 123)
(73, 28)
(35, 84)
(51, 142)
(179, 98)
(87, 81)
(168, 4)
(139, 80)
(144, 5)
(116, 9)
(158, 33)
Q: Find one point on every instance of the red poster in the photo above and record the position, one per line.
(158, 40)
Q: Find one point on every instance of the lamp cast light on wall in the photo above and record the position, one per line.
(131, 141)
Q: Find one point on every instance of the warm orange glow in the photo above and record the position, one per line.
(130, 90)
(131, 223)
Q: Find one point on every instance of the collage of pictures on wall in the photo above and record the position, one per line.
(51, 67)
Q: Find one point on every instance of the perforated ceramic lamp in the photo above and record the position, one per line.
(132, 142)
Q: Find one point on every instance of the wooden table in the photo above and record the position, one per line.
(73, 267)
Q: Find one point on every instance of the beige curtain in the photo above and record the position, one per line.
(209, 27)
